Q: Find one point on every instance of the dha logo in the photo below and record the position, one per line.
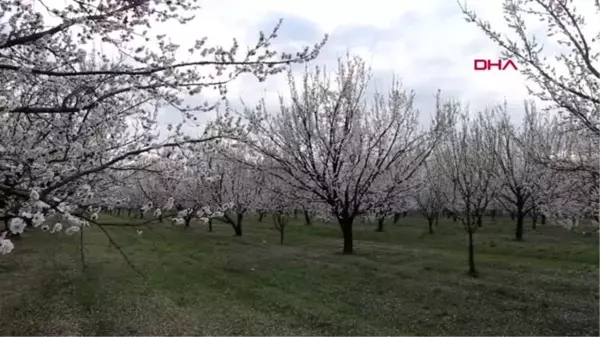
(489, 65)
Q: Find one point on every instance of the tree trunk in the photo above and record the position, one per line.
(281, 233)
(295, 214)
(380, 224)
(238, 224)
(519, 228)
(493, 215)
(129, 213)
(237, 229)
(210, 228)
(543, 220)
(187, 222)
(472, 270)
(512, 215)
(346, 226)
(430, 224)
(396, 217)
(141, 214)
(307, 220)
(534, 220)
(479, 220)
(261, 216)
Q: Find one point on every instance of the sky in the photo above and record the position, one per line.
(426, 43)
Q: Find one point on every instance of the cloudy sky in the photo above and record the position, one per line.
(426, 43)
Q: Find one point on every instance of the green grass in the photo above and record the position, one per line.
(400, 282)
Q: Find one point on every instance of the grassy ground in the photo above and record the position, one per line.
(400, 282)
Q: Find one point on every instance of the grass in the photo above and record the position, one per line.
(401, 282)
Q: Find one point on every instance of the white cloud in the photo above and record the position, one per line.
(434, 31)
(427, 43)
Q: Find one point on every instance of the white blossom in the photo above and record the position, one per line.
(72, 230)
(169, 205)
(56, 228)
(217, 214)
(38, 219)
(6, 246)
(34, 195)
(16, 225)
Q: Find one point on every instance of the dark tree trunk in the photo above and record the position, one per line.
(380, 224)
(513, 216)
(534, 220)
(437, 218)
(237, 229)
(281, 233)
(346, 226)
(430, 224)
(454, 217)
(187, 221)
(129, 212)
(493, 215)
(238, 224)
(261, 216)
(479, 220)
(543, 219)
(210, 228)
(519, 228)
(141, 214)
(472, 269)
(396, 217)
(307, 220)
(295, 214)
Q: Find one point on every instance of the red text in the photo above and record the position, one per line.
(490, 65)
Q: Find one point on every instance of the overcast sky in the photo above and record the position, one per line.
(426, 43)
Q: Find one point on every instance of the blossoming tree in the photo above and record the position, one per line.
(82, 83)
(329, 141)
(466, 160)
